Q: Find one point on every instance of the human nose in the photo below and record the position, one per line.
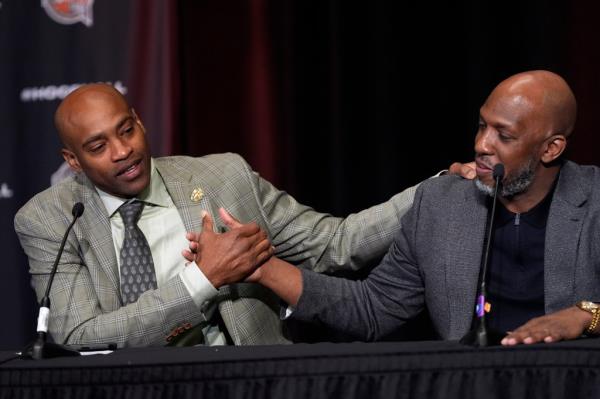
(483, 144)
(121, 150)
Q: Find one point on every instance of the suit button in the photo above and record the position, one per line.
(187, 326)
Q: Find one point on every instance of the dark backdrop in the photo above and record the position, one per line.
(341, 104)
(366, 99)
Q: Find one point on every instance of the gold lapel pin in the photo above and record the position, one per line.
(197, 195)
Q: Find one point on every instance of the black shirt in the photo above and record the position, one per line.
(516, 266)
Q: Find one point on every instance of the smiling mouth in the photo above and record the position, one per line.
(129, 168)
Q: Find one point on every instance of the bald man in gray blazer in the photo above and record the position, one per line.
(435, 259)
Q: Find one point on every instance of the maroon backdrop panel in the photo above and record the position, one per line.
(227, 83)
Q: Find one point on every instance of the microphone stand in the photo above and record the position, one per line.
(480, 336)
(40, 349)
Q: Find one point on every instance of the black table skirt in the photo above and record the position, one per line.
(398, 370)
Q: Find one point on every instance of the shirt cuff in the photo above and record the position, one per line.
(200, 289)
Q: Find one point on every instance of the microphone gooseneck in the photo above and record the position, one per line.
(40, 349)
(498, 175)
(478, 336)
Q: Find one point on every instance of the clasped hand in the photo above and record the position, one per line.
(228, 257)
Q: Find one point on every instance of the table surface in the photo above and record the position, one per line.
(433, 368)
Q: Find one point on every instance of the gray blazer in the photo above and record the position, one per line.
(86, 305)
(435, 261)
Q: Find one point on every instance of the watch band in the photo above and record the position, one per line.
(593, 309)
(591, 329)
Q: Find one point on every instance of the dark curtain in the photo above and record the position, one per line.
(368, 98)
(582, 60)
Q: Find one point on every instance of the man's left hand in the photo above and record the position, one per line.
(565, 324)
(464, 170)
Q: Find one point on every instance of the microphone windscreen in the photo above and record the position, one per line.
(77, 209)
(498, 171)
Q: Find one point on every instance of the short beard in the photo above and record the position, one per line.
(511, 186)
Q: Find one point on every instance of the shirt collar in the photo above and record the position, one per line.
(156, 194)
(536, 216)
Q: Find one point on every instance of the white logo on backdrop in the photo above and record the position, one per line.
(58, 92)
(5, 191)
(68, 12)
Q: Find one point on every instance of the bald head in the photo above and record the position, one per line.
(86, 101)
(543, 94)
(104, 139)
(524, 125)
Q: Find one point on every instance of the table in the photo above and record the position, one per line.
(433, 369)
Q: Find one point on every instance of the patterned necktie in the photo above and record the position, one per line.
(137, 266)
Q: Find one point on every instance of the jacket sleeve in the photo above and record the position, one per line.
(370, 309)
(320, 241)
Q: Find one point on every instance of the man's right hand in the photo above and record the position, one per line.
(231, 256)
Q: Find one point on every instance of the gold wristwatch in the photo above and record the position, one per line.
(594, 310)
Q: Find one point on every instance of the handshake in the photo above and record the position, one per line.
(229, 257)
(244, 252)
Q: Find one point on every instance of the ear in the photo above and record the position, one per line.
(71, 159)
(553, 148)
(138, 120)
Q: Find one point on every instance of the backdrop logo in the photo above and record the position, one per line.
(69, 12)
(5, 191)
(58, 92)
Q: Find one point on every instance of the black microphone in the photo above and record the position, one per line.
(479, 336)
(41, 349)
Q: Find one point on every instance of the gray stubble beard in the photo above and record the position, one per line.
(511, 186)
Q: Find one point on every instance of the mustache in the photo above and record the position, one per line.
(484, 161)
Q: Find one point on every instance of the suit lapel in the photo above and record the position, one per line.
(468, 219)
(181, 185)
(94, 232)
(563, 231)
